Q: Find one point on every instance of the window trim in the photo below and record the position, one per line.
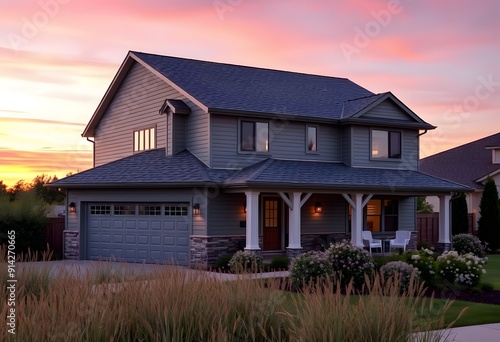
(388, 145)
(254, 121)
(383, 214)
(142, 139)
(307, 139)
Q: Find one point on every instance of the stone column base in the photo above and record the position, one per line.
(292, 253)
(71, 245)
(257, 252)
(441, 247)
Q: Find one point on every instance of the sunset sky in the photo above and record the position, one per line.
(57, 58)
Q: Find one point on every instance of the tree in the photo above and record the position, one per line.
(489, 222)
(424, 207)
(459, 215)
(3, 188)
(49, 195)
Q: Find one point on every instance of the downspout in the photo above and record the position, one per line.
(93, 151)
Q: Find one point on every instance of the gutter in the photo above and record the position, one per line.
(93, 151)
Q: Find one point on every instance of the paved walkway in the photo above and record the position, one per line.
(475, 333)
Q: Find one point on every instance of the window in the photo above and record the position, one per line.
(150, 210)
(382, 215)
(124, 209)
(386, 144)
(176, 210)
(496, 156)
(144, 139)
(312, 139)
(100, 210)
(254, 136)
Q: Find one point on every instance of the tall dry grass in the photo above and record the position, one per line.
(186, 306)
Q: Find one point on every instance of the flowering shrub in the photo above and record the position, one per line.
(424, 261)
(467, 243)
(400, 269)
(309, 268)
(465, 269)
(243, 261)
(350, 262)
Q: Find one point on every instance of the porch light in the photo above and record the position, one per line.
(72, 207)
(317, 208)
(196, 209)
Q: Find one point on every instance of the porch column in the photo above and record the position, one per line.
(252, 229)
(357, 220)
(294, 222)
(444, 242)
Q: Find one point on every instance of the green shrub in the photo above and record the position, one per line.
(464, 270)
(398, 271)
(310, 268)
(279, 262)
(245, 261)
(382, 260)
(467, 243)
(222, 262)
(424, 261)
(350, 262)
(424, 245)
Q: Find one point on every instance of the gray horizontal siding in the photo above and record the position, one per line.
(286, 141)
(179, 133)
(198, 133)
(332, 219)
(361, 149)
(346, 146)
(387, 110)
(225, 211)
(407, 213)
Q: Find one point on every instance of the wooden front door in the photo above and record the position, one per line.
(271, 239)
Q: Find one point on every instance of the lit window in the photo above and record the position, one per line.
(386, 144)
(254, 136)
(382, 215)
(144, 139)
(312, 138)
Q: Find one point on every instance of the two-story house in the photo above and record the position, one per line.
(195, 159)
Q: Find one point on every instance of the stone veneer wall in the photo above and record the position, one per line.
(71, 245)
(205, 250)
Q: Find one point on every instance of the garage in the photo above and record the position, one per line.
(139, 232)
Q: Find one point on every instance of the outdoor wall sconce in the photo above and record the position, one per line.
(196, 209)
(72, 207)
(317, 208)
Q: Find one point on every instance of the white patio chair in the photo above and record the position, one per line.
(370, 242)
(401, 241)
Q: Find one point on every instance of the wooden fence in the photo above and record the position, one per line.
(54, 234)
(428, 227)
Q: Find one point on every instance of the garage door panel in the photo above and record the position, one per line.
(149, 235)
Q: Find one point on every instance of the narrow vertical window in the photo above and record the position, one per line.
(247, 136)
(152, 143)
(262, 137)
(136, 141)
(144, 139)
(312, 138)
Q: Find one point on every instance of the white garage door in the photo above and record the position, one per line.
(138, 232)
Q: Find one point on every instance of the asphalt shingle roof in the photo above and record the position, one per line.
(338, 176)
(464, 164)
(234, 87)
(149, 167)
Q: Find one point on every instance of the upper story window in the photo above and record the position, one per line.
(254, 136)
(496, 156)
(144, 139)
(311, 138)
(386, 144)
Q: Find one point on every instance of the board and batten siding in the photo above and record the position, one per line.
(135, 106)
(287, 140)
(225, 212)
(387, 110)
(361, 149)
(407, 213)
(332, 219)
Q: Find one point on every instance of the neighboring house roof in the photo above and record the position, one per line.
(235, 89)
(153, 168)
(466, 164)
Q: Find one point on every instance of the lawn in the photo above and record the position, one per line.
(477, 313)
(492, 275)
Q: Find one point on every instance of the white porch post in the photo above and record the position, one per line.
(252, 229)
(294, 222)
(444, 221)
(357, 220)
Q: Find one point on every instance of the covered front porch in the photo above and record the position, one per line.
(297, 221)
